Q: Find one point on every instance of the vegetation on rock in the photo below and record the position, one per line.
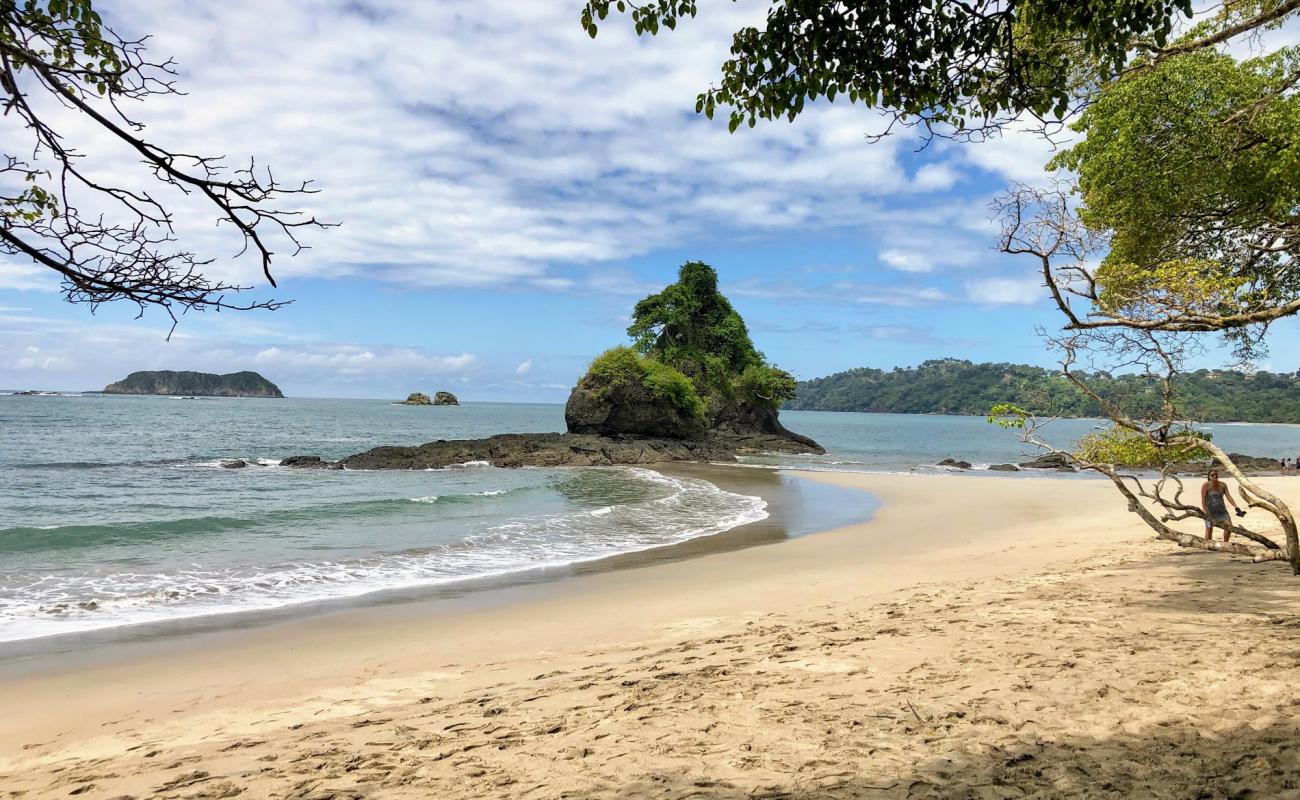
(621, 365)
(692, 327)
(167, 382)
(692, 372)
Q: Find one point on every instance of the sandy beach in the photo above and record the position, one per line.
(980, 637)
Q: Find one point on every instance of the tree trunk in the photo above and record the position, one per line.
(1163, 531)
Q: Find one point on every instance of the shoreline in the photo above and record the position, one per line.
(965, 593)
(793, 508)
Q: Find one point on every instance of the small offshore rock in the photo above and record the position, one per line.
(445, 399)
(234, 463)
(417, 399)
(1004, 468)
(952, 462)
(304, 461)
(1057, 461)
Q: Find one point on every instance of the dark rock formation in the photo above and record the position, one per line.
(167, 382)
(952, 462)
(1057, 461)
(628, 408)
(741, 420)
(422, 399)
(1004, 468)
(308, 462)
(237, 463)
(553, 450)
(1251, 465)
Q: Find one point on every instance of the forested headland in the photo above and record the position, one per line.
(955, 386)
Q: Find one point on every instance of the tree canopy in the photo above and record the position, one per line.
(964, 68)
(1189, 169)
(692, 327)
(958, 386)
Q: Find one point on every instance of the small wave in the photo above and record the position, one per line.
(461, 465)
(677, 510)
(453, 498)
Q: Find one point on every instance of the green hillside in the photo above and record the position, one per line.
(954, 386)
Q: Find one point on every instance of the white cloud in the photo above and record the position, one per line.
(935, 177)
(355, 359)
(1001, 291)
(27, 277)
(481, 143)
(840, 292)
(1018, 154)
(906, 261)
(524, 368)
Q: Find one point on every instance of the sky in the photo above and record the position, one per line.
(506, 189)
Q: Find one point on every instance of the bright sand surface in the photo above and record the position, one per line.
(980, 637)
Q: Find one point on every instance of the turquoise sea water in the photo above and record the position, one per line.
(115, 510)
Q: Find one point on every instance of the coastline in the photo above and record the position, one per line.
(965, 596)
(794, 507)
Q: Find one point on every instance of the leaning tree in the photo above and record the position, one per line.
(1183, 218)
(1149, 445)
(66, 76)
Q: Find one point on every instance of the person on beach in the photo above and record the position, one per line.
(1213, 494)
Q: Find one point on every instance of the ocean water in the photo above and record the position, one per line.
(115, 511)
(916, 442)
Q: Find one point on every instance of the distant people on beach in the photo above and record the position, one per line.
(1214, 499)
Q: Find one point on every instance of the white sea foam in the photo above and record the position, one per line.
(678, 510)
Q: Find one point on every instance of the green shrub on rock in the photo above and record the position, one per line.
(621, 365)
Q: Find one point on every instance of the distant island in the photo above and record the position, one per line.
(205, 384)
(955, 386)
(422, 399)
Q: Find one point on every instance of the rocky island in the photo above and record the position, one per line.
(198, 384)
(692, 387)
(422, 399)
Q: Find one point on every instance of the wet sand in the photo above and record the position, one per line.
(977, 638)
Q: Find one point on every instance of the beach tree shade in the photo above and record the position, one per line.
(691, 326)
(66, 77)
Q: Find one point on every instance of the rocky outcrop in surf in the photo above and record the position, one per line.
(550, 450)
(422, 399)
(693, 388)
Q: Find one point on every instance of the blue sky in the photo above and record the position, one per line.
(507, 190)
